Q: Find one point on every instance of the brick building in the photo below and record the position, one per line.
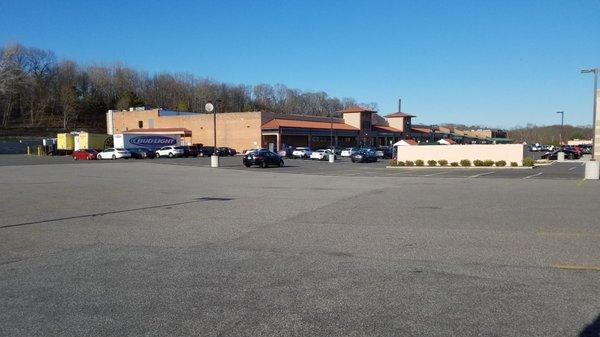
(243, 130)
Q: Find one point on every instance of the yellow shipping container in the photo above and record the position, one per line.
(65, 141)
(95, 141)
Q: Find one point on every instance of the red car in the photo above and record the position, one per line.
(84, 154)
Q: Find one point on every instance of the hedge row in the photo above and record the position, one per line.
(465, 163)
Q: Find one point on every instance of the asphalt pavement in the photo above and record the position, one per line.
(570, 170)
(160, 248)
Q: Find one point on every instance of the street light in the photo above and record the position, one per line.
(595, 71)
(209, 107)
(562, 125)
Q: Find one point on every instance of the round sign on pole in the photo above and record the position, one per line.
(209, 107)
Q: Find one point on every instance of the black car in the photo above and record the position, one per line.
(262, 158)
(206, 151)
(388, 151)
(226, 151)
(569, 154)
(364, 156)
(190, 151)
(141, 153)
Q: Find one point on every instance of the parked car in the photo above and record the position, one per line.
(190, 151)
(262, 158)
(226, 151)
(247, 151)
(572, 148)
(322, 154)
(141, 153)
(301, 152)
(112, 153)
(170, 151)
(336, 149)
(364, 156)
(206, 151)
(84, 154)
(286, 152)
(347, 152)
(569, 154)
(586, 149)
(385, 152)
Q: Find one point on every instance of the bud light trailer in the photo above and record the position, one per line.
(152, 142)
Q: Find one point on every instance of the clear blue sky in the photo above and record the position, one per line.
(497, 63)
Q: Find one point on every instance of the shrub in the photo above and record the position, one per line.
(455, 164)
(514, 164)
(410, 163)
(488, 163)
(419, 162)
(400, 163)
(528, 161)
(443, 162)
(465, 162)
(478, 162)
(431, 162)
(500, 163)
(392, 162)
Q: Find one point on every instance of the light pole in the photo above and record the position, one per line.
(214, 159)
(562, 126)
(332, 148)
(595, 71)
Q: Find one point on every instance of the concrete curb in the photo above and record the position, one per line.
(463, 167)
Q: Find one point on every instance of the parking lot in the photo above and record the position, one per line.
(171, 247)
(572, 170)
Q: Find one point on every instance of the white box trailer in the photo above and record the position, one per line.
(152, 142)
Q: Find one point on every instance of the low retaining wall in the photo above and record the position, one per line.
(456, 153)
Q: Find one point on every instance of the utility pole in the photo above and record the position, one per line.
(594, 71)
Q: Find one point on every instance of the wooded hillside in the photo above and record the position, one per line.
(40, 93)
(549, 134)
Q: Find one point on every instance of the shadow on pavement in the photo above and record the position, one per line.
(592, 330)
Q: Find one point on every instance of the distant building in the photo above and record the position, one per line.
(358, 126)
(575, 142)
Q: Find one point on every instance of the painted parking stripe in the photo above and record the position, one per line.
(576, 267)
(568, 234)
(481, 174)
(434, 174)
(572, 168)
(533, 175)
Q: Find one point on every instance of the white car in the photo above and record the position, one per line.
(348, 152)
(322, 154)
(112, 153)
(169, 151)
(301, 152)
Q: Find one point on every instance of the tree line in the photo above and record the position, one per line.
(37, 89)
(549, 134)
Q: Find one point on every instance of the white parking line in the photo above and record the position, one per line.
(481, 174)
(533, 175)
(434, 174)
(572, 168)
